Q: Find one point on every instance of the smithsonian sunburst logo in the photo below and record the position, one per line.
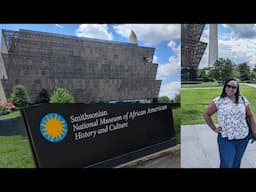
(53, 127)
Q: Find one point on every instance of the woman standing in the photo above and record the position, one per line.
(233, 131)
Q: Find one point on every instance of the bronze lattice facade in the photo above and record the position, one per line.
(192, 50)
(92, 70)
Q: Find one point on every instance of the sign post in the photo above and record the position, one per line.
(97, 135)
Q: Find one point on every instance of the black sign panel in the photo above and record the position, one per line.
(80, 135)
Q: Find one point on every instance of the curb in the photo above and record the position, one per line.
(169, 151)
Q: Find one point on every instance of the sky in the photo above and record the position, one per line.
(236, 42)
(165, 38)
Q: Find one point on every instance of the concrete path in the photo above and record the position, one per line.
(249, 84)
(199, 148)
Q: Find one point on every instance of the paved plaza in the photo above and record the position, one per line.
(199, 148)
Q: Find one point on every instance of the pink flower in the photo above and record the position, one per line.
(9, 106)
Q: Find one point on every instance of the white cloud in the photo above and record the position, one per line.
(155, 59)
(97, 31)
(239, 50)
(173, 66)
(59, 26)
(242, 30)
(205, 34)
(170, 89)
(151, 34)
(225, 25)
(167, 70)
(175, 48)
(238, 44)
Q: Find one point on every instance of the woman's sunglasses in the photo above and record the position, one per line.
(231, 86)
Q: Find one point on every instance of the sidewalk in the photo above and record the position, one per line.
(199, 148)
(249, 84)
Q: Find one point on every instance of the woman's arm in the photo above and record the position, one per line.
(208, 112)
(250, 115)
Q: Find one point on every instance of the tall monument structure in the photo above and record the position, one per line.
(133, 37)
(213, 44)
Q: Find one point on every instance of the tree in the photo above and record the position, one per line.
(204, 74)
(236, 73)
(61, 95)
(43, 97)
(244, 71)
(253, 74)
(19, 96)
(201, 73)
(222, 70)
(164, 99)
(177, 98)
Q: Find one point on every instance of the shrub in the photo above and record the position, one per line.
(61, 95)
(164, 99)
(4, 110)
(19, 96)
(43, 97)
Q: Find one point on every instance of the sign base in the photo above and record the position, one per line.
(110, 163)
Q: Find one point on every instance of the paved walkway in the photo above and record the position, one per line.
(249, 84)
(199, 148)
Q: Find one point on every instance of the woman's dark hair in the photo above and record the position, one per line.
(223, 94)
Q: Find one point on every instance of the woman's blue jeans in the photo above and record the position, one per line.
(231, 151)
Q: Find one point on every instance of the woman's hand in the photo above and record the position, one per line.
(253, 137)
(218, 130)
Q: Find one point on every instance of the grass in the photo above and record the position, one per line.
(194, 101)
(176, 120)
(11, 115)
(15, 152)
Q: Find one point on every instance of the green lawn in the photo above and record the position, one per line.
(15, 152)
(11, 115)
(176, 120)
(194, 101)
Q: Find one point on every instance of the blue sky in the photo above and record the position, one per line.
(165, 38)
(236, 42)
